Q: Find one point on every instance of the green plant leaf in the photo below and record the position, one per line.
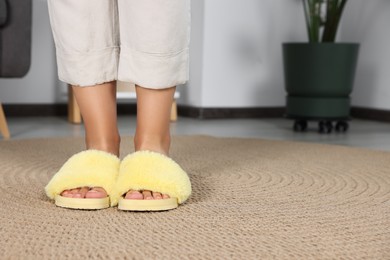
(334, 11)
(330, 23)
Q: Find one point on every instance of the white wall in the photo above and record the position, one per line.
(368, 22)
(191, 92)
(243, 51)
(238, 52)
(40, 85)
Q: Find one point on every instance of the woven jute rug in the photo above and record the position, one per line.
(252, 199)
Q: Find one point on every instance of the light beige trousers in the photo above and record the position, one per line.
(145, 42)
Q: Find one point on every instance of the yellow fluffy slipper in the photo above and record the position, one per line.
(92, 168)
(149, 170)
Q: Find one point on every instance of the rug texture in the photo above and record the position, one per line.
(252, 199)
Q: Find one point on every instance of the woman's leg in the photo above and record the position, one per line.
(86, 36)
(98, 109)
(155, 36)
(152, 132)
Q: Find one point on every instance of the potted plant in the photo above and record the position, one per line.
(319, 74)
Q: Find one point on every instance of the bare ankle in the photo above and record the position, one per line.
(153, 143)
(107, 145)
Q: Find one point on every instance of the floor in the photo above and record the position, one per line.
(361, 133)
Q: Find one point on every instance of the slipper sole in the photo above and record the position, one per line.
(75, 203)
(147, 205)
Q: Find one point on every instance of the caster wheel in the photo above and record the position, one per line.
(325, 127)
(300, 125)
(341, 126)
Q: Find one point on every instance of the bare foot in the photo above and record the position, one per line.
(85, 192)
(145, 194)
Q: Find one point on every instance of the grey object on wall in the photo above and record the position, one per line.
(15, 38)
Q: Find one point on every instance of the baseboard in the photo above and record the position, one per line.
(371, 114)
(210, 113)
(26, 110)
(23, 110)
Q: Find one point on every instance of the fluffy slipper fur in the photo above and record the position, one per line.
(92, 168)
(149, 170)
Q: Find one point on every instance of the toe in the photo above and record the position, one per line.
(66, 193)
(134, 194)
(75, 193)
(165, 196)
(79, 193)
(157, 195)
(83, 191)
(96, 193)
(147, 195)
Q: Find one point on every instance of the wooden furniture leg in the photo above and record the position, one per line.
(3, 124)
(74, 114)
(174, 111)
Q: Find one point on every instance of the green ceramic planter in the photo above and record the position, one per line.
(319, 78)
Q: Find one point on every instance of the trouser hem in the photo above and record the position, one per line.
(154, 70)
(87, 69)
